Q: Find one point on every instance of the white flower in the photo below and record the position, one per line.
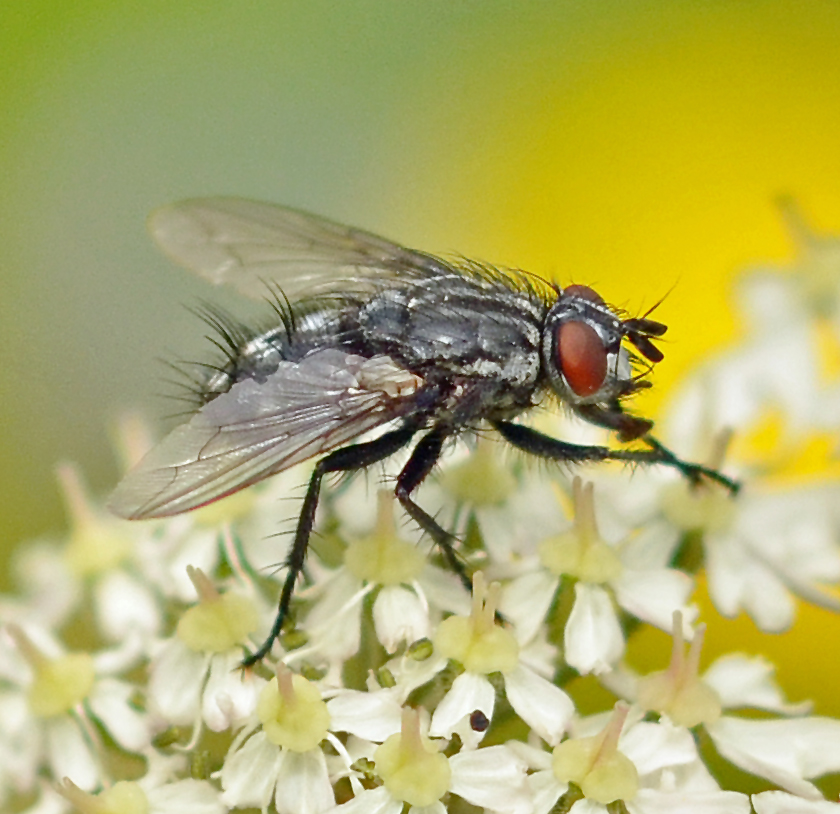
(279, 755)
(490, 494)
(604, 574)
(594, 763)
(777, 365)
(763, 547)
(373, 715)
(748, 681)
(250, 527)
(159, 791)
(407, 588)
(774, 369)
(652, 768)
(414, 771)
(106, 555)
(47, 593)
(778, 545)
(816, 271)
(483, 647)
(789, 752)
(51, 712)
(194, 675)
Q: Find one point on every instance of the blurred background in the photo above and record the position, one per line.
(633, 146)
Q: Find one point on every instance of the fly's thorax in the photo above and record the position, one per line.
(457, 328)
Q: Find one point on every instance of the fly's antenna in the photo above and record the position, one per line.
(660, 300)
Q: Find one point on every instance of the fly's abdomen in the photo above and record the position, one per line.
(256, 353)
(255, 358)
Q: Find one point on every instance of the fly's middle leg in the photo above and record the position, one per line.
(419, 465)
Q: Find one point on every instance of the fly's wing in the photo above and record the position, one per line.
(258, 429)
(247, 244)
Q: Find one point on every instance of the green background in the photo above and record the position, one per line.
(635, 146)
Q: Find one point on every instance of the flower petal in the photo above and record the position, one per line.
(334, 622)
(469, 692)
(744, 681)
(125, 605)
(784, 751)
(737, 580)
(545, 790)
(249, 773)
(593, 639)
(653, 747)
(370, 715)
(493, 778)
(585, 806)
(177, 674)
(399, 616)
(370, 801)
(650, 801)
(70, 754)
(541, 704)
(653, 595)
(109, 702)
(303, 785)
(230, 695)
(780, 802)
(525, 602)
(195, 796)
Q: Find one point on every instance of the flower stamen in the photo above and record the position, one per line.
(219, 622)
(292, 712)
(383, 558)
(476, 641)
(678, 691)
(411, 766)
(581, 552)
(594, 763)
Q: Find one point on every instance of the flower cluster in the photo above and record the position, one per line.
(391, 688)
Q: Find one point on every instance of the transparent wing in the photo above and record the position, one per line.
(258, 429)
(246, 244)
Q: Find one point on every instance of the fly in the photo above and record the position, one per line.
(372, 336)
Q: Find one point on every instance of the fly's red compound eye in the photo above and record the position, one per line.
(582, 357)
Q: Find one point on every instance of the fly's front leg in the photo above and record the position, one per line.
(422, 461)
(628, 427)
(545, 446)
(347, 459)
(694, 472)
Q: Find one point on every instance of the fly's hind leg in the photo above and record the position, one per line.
(419, 465)
(347, 459)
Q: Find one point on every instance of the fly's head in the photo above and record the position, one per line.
(588, 362)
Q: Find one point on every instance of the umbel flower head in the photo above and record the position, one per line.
(392, 688)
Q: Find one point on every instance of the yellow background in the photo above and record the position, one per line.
(636, 146)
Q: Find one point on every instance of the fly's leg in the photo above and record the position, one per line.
(545, 446)
(418, 466)
(347, 459)
(694, 472)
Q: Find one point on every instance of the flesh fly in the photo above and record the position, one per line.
(373, 339)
